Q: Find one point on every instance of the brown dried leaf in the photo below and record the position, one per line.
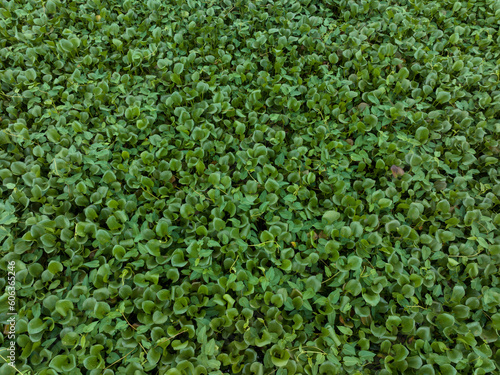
(350, 141)
(314, 235)
(397, 171)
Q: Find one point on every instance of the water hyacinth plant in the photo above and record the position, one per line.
(250, 187)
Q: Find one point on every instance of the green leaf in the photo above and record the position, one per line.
(50, 7)
(454, 38)
(214, 178)
(351, 361)
(48, 240)
(101, 309)
(112, 224)
(426, 370)
(443, 97)
(118, 44)
(63, 363)
(178, 68)
(55, 267)
(331, 217)
(219, 224)
(392, 226)
(178, 259)
(240, 128)
(495, 320)
(35, 326)
(63, 307)
(422, 134)
(445, 320)
(384, 203)
(153, 247)
(371, 120)
(66, 45)
(271, 185)
(264, 340)
(457, 65)
(162, 228)
(279, 357)
(178, 38)
(186, 210)
(103, 236)
(331, 248)
(109, 177)
(354, 262)
(353, 287)
(176, 78)
(91, 362)
(371, 298)
(119, 252)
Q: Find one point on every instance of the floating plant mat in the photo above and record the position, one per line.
(250, 187)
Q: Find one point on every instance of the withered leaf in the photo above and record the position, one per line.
(397, 171)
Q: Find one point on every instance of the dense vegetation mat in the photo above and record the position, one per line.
(250, 187)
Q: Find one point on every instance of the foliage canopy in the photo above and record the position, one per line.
(251, 187)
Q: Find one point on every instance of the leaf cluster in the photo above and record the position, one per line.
(251, 187)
